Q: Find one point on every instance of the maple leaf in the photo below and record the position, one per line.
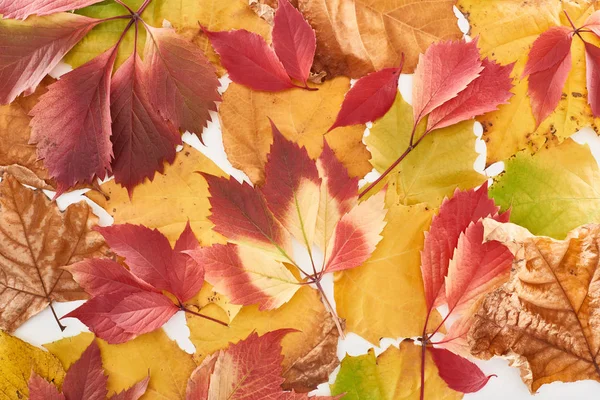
(267, 218)
(128, 302)
(84, 380)
(349, 44)
(550, 298)
(36, 241)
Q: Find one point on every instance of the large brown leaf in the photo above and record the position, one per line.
(36, 240)
(546, 319)
(355, 37)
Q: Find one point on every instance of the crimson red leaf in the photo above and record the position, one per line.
(71, 123)
(31, 50)
(85, 379)
(593, 23)
(187, 240)
(370, 98)
(443, 71)
(186, 276)
(40, 389)
(21, 9)
(294, 41)
(459, 373)
(592, 66)
(482, 95)
(134, 392)
(183, 82)
(548, 67)
(142, 139)
(143, 312)
(249, 60)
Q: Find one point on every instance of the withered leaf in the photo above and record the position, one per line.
(36, 240)
(546, 318)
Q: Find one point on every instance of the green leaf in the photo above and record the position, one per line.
(358, 378)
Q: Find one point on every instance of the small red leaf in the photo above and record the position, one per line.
(85, 379)
(249, 60)
(370, 98)
(482, 95)
(443, 71)
(592, 66)
(294, 41)
(31, 50)
(40, 389)
(142, 139)
(134, 392)
(593, 23)
(199, 383)
(21, 9)
(459, 373)
(143, 312)
(187, 240)
(71, 124)
(548, 67)
(183, 82)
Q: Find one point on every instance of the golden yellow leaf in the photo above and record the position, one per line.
(442, 162)
(17, 360)
(309, 355)
(506, 31)
(125, 364)
(302, 116)
(168, 202)
(393, 375)
(355, 37)
(545, 318)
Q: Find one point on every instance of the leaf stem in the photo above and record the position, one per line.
(424, 341)
(336, 319)
(143, 7)
(126, 6)
(575, 30)
(125, 16)
(61, 326)
(187, 310)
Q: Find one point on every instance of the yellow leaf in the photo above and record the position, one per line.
(302, 116)
(310, 355)
(355, 37)
(384, 297)
(125, 364)
(168, 202)
(506, 31)
(394, 375)
(442, 162)
(17, 360)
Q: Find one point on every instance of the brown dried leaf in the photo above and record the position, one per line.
(547, 317)
(355, 37)
(36, 240)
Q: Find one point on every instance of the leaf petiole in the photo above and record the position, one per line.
(126, 6)
(575, 30)
(187, 310)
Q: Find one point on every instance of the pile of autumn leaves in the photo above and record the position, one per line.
(91, 124)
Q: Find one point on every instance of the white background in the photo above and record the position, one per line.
(507, 385)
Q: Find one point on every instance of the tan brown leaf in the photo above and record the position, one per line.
(546, 319)
(355, 37)
(36, 240)
(302, 116)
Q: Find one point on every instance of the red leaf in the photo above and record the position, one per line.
(187, 240)
(40, 389)
(456, 214)
(183, 82)
(142, 139)
(71, 124)
(548, 67)
(85, 379)
(592, 66)
(134, 392)
(21, 9)
(482, 95)
(31, 50)
(292, 187)
(249, 60)
(199, 383)
(370, 98)
(443, 71)
(143, 312)
(186, 276)
(240, 214)
(294, 41)
(593, 23)
(459, 373)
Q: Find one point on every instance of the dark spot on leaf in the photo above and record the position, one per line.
(576, 94)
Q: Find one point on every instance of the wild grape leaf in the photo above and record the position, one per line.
(545, 315)
(21, 9)
(36, 240)
(85, 379)
(459, 373)
(593, 23)
(128, 302)
(42, 43)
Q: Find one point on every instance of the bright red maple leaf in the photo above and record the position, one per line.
(125, 302)
(315, 203)
(250, 61)
(142, 109)
(85, 380)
